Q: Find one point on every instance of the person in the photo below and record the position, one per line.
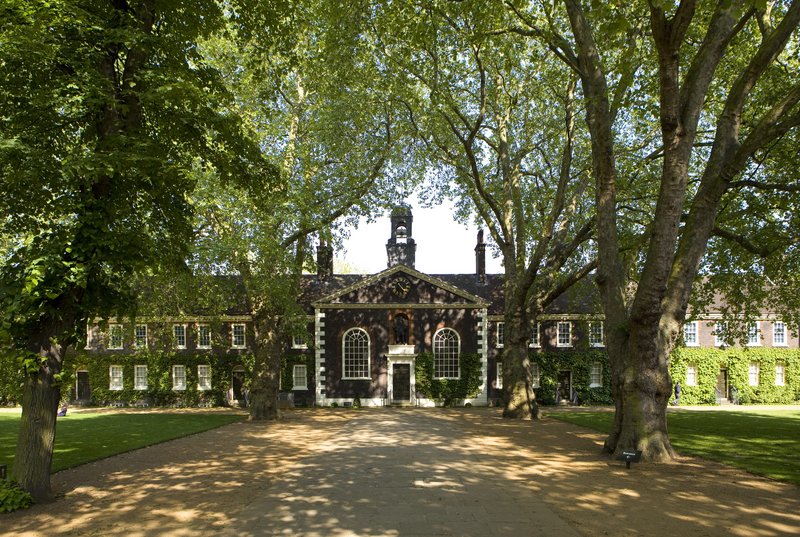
(63, 411)
(677, 393)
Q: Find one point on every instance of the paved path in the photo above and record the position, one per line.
(403, 472)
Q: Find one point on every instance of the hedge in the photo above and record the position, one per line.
(448, 391)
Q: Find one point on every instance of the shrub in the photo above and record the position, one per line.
(13, 497)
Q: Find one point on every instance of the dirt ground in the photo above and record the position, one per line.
(403, 472)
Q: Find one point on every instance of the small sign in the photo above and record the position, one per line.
(629, 456)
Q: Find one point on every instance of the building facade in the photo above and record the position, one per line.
(403, 337)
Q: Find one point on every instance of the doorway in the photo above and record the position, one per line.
(564, 390)
(722, 385)
(83, 391)
(237, 385)
(401, 382)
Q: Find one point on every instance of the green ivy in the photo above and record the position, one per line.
(13, 497)
(159, 390)
(737, 361)
(579, 362)
(448, 391)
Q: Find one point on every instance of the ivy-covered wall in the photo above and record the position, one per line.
(709, 362)
(579, 362)
(448, 391)
(159, 390)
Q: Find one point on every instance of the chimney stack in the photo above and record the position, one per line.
(480, 259)
(324, 261)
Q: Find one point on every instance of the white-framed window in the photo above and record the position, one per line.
(446, 348)
(719, 333)
(752, 374)
(780, 374)
(564, 334)
(203, 336)
(754, 334)
(690, 334)
(596, 375)
(178, 377)
(355, 354)
(140, 377)
(535, 375)
(535, 331)
(691, 375)
(501, 334)
(299, 342)
(299, 377)
(179, 334)
(115, 336)
(140, 336)
(779, 334)
(238, 333)
(595, 333)
(203, 377)
(115, 377)
(499, 379)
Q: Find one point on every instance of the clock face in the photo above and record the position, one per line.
(401, 287)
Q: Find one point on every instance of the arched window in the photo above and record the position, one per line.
(355, 354)
(446, 347)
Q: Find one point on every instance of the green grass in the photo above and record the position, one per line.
(82, 438)
(762, 442)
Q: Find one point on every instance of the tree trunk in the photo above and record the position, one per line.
(641, 387)
(265, 385)
(520, 399)
(34, 452)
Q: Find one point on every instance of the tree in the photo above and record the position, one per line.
(723, 96)
(107, 108)
(484, 113)
(327, 119)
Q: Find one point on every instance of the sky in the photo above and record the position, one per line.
(443, 245)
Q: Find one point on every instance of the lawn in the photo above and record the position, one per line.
(764, 442)
(85, 437)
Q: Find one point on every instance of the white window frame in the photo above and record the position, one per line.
(593, 341)
(178, 380)
(364, 337)
(536, 341)
(299, 372)
(439, 336)
(779, 334)
(691, 334)
(115, 378)
(780, 374)
(753, 374)
(140, 340)
(559, 333)
(139, 373)
(200, 344)
(234, 336)
(115, 332)
(501, 334)
(596, 375)
(754, 334)
(691, 375)
(177, 327)
(203, 377)
(299, 342)
(499, 376)
(719, 327)
(535, 375)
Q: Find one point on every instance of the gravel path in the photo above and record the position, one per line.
(386, 472)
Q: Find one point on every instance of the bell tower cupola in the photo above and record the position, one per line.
(401, 248)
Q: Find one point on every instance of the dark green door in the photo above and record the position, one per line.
(401, 382)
